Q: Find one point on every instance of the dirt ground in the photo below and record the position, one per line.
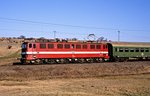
(105, 79)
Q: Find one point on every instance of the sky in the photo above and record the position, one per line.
(76, 19)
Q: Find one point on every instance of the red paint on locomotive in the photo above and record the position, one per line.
(64, 50)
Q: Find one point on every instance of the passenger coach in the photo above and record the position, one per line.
(123, 51)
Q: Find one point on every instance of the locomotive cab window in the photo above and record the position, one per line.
(24, 46)
(42, 46)
(30, 45)
(50, 46)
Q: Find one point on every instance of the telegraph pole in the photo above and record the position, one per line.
(54, 34)
(118, 36)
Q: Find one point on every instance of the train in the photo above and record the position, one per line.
(82, 52)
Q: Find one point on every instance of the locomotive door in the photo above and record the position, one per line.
(73, 53)
(34, 51)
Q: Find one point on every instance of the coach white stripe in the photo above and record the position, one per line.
(70, 52)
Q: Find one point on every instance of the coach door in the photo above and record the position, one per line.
(110, 51)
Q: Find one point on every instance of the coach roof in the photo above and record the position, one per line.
(131, 44)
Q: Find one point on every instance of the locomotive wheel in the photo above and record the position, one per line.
(62, 61)
(81, 60)
(51, 61)
(89, 60)
(66, 61)
(39, 61)
(97, 60)
(23, 62)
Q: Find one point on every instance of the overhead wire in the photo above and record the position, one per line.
(68, 25)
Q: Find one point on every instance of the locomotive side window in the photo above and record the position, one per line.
(67, 46)
(50, 46)
(30, 45)
(78, 46)
(98, 46)
(92, 46)
(42, 46)
(84, 46)
(59, 46)
(34, 45)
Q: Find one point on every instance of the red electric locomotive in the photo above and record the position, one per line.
(63, 52)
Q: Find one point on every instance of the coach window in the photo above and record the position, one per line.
(120, 49)
(42, 46)
(34, 45)
(98, 46)
(142, 49)
(59, 46)
(30, 45)
(67, 46)
(92, 46)
(137, 50)
(126, 50)
(78, 46)
(131, 50)
(50, 46)
(146, 50)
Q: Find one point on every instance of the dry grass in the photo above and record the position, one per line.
(106, 79)
(137, 85)
(44, 72)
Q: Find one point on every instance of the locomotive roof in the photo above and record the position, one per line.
(131, 44)
(79, 42)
